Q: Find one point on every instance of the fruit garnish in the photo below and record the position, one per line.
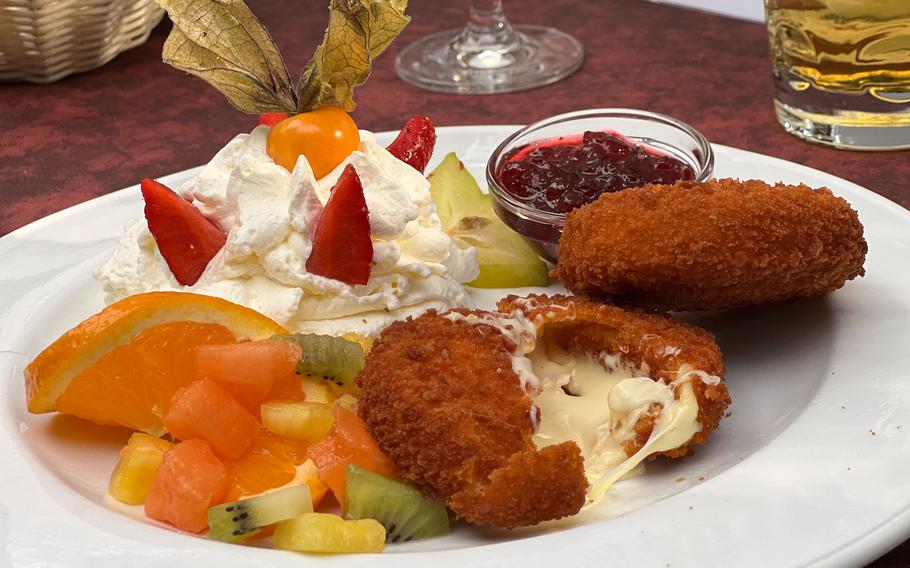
(270, 119)
(415, 143)
(205, 411)
(325, 136)
(134, 474)
(321, 532)
(189, 481)
(187, 240)
(402, 509)
(273, 462)
(506, 259)
(349, 442)
(342, 249)
(310, 421)
(123, 365)
(223, 43)
(238, 520)
(248, 370)
(336, 360)
(255, 473)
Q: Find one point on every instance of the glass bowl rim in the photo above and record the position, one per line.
(706, 165)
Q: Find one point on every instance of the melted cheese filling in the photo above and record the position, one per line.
(597, 404)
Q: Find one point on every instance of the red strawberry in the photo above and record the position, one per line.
(270, 119)
(415, 143)
(342, 248)
(186, 239)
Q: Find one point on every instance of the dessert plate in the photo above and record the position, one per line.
(809, 470)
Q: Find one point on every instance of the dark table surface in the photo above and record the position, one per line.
(93, 133)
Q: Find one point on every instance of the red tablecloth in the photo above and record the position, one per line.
(94, 133)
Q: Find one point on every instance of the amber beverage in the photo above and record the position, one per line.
(842, 70)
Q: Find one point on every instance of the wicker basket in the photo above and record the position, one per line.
(44, 40)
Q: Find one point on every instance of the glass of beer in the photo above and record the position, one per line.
(842, 71)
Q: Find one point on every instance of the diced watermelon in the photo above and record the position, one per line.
(204, 410)
(190, 479)
(246, 371)
(349, 442)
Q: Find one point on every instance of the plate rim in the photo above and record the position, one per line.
(863, 548)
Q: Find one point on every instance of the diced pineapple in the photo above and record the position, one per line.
(321, 532)
(134, 475)
(307, 420)
(316, 390)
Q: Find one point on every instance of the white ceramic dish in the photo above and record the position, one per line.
(810, 468)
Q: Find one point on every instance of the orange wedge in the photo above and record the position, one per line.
(121, 365)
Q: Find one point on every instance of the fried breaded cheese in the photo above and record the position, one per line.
(441, 399)
(441, 395)
(718, 244)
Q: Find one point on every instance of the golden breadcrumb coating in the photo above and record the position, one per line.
(717, 244)
(442, 400)
(443, 403)
(665, 346)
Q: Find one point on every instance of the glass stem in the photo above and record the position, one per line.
(488, 38)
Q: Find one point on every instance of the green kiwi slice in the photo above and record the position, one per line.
(238, 520)
(334, 359)
(404, 511)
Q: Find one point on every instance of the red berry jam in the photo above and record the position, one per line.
(564, 173)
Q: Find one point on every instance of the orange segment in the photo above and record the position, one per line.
(268, 444)
(132, 385)
(84, 346)
(254, 473)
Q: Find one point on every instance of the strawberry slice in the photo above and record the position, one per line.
(342, 249)
(270, 119)
(186, 239)
(414, 144)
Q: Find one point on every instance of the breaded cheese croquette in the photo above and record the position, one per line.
(441, 399)
(664, 346)
(717, 244)
(448, 398)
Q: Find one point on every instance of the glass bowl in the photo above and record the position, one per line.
(660, 132)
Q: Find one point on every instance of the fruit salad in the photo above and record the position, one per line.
(242, 430)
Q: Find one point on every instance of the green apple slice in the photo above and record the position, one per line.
(506, 259)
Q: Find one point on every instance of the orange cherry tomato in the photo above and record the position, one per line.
(326, 136)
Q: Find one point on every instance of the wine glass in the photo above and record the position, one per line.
(489, 55)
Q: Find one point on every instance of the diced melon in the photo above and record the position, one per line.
(190, 479)
(204, 410)
(349, 442)
(134, 475)
(246, 370)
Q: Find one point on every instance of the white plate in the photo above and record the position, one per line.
(810, 469)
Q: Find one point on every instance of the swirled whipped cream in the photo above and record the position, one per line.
(270, 215)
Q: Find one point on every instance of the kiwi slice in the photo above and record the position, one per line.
(238, 520)
(399, 506)
(336, 360)
(506, 259)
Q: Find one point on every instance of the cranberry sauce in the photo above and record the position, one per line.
(561, 174)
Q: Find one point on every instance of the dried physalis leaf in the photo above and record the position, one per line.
(358, 31)
(222, 42)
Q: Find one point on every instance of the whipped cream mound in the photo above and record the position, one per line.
(270, 216)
